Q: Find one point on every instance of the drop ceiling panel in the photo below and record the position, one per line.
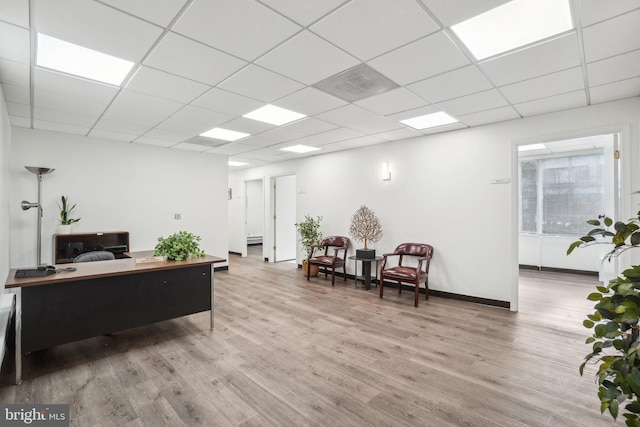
(20, 110)
(258, 141)
(246, 29)
(427, 57)
(187, 58)
(368, 28)
(486, 100)
(221, 100)
(60, 127)
(310, 101)
(451, 12)
(133, 129)
(168, 135)
(160, 12)
(320, 139)
(14, 43)
(489, 116)
(552, 84)
(17, 94)
(592, 11)
(194, 120)
(612, 69)
(16, 73)
(164, 85)
(304, 12)
(612, 37)
(15, 12)
(252, 127)
(59, 116)
(259, 83)
(112, 136)
(398, 134)
(553, 103)
(71, 87)
(154, 141)
(24, 122)
(309, 126)
(392, 102)
(144, 109)
(617, 90)
(93, 25)
(190, 147)
(353, 117)
(68, 104)
(315, 59)
(555, 55)
(454, 84)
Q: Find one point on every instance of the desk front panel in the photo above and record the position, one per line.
(63, 312)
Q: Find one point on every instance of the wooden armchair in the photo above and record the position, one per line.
(331, 258)
(408, 274)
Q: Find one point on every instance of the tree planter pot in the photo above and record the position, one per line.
(305, 266)
(64, 229)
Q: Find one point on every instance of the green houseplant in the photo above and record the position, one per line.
(614, 323)
(179, 246)
(310, 235)
(65, 215)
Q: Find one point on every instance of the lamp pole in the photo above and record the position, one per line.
(39, 172)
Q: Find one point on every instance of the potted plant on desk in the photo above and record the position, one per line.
(65, 216)
(310, 235)
(179, 246)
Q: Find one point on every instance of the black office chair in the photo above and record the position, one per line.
(94, 256)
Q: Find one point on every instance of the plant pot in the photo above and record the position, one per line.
(64, 229)
(305, 266)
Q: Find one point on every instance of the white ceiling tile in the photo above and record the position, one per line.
(116, 136)
(609, 70)
(15, 12)
(612, 37)
(500, 114)
(315, 59)
(160, 12)
(23, 122)
(399, 134)
(416, 112)
(444, 128)
(309, 126)
(258, 83)
(246, 29)
(68, 104)
(257, 141)
(15, 73)
(187, 58)
(280, 134)
(168, 135)
(154, 141)
(334, 135)
(353, 117)
(545, 58)
(249, 126)
(190, 147)
(70, 87)
(20, 110)
(194, 120)
(58, 116)
(421, 59)
(136, 129)
(456, 83)
(451, 12)
(592, 11)
(363, 141)
(141, 108)
(60, 127)
(486, 100)
(617, 90)
(221, 100)
(541, 87)
(164, 85)
(368, 28)
(95, 26)
(304, 12)
(17, 94)
(553, 103)
(391, 102)
(15, 43)
(310, 101)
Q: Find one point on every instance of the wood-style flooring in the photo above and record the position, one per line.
(287, 352)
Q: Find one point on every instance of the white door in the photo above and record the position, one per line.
(284, 218)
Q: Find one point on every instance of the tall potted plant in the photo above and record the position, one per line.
(614, 323)
(65, 216)
(310, 235)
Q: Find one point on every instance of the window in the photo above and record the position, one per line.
(559, 194)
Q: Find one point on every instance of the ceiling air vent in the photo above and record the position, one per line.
(356, 83)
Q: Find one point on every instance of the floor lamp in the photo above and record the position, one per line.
(39, 172)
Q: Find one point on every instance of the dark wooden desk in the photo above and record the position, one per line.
(106, 296)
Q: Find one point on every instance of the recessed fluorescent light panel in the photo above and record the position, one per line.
(514, 24)
(274, 115)
(70, 58)
(300, 149)
(224, 134)
(429, 121)
(234, 163)
(531, 147)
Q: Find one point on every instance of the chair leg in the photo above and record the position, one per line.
(399, 288)
(344, 269)
(308, 271)
(381, 285)
(333, 277)
(417, 294)
(426, 288)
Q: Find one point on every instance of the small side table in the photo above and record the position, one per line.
(366, 270)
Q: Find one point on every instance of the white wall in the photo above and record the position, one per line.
(440, 192)
(117, 187)
(5, 186)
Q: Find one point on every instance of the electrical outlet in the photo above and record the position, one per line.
(177, 216)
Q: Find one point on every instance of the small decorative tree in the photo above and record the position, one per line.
(365, 226)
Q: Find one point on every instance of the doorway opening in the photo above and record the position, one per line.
(284, 218)
(254, 218)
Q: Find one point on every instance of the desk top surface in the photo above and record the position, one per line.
(97, 269)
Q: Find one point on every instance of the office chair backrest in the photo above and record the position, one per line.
(94, 256)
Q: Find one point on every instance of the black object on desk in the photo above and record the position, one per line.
(366, 269)
(41, 271)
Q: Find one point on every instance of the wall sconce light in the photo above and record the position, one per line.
(386, 173)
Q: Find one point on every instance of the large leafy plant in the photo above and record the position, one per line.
(179, 246)
(309, 231)
(614, 341)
